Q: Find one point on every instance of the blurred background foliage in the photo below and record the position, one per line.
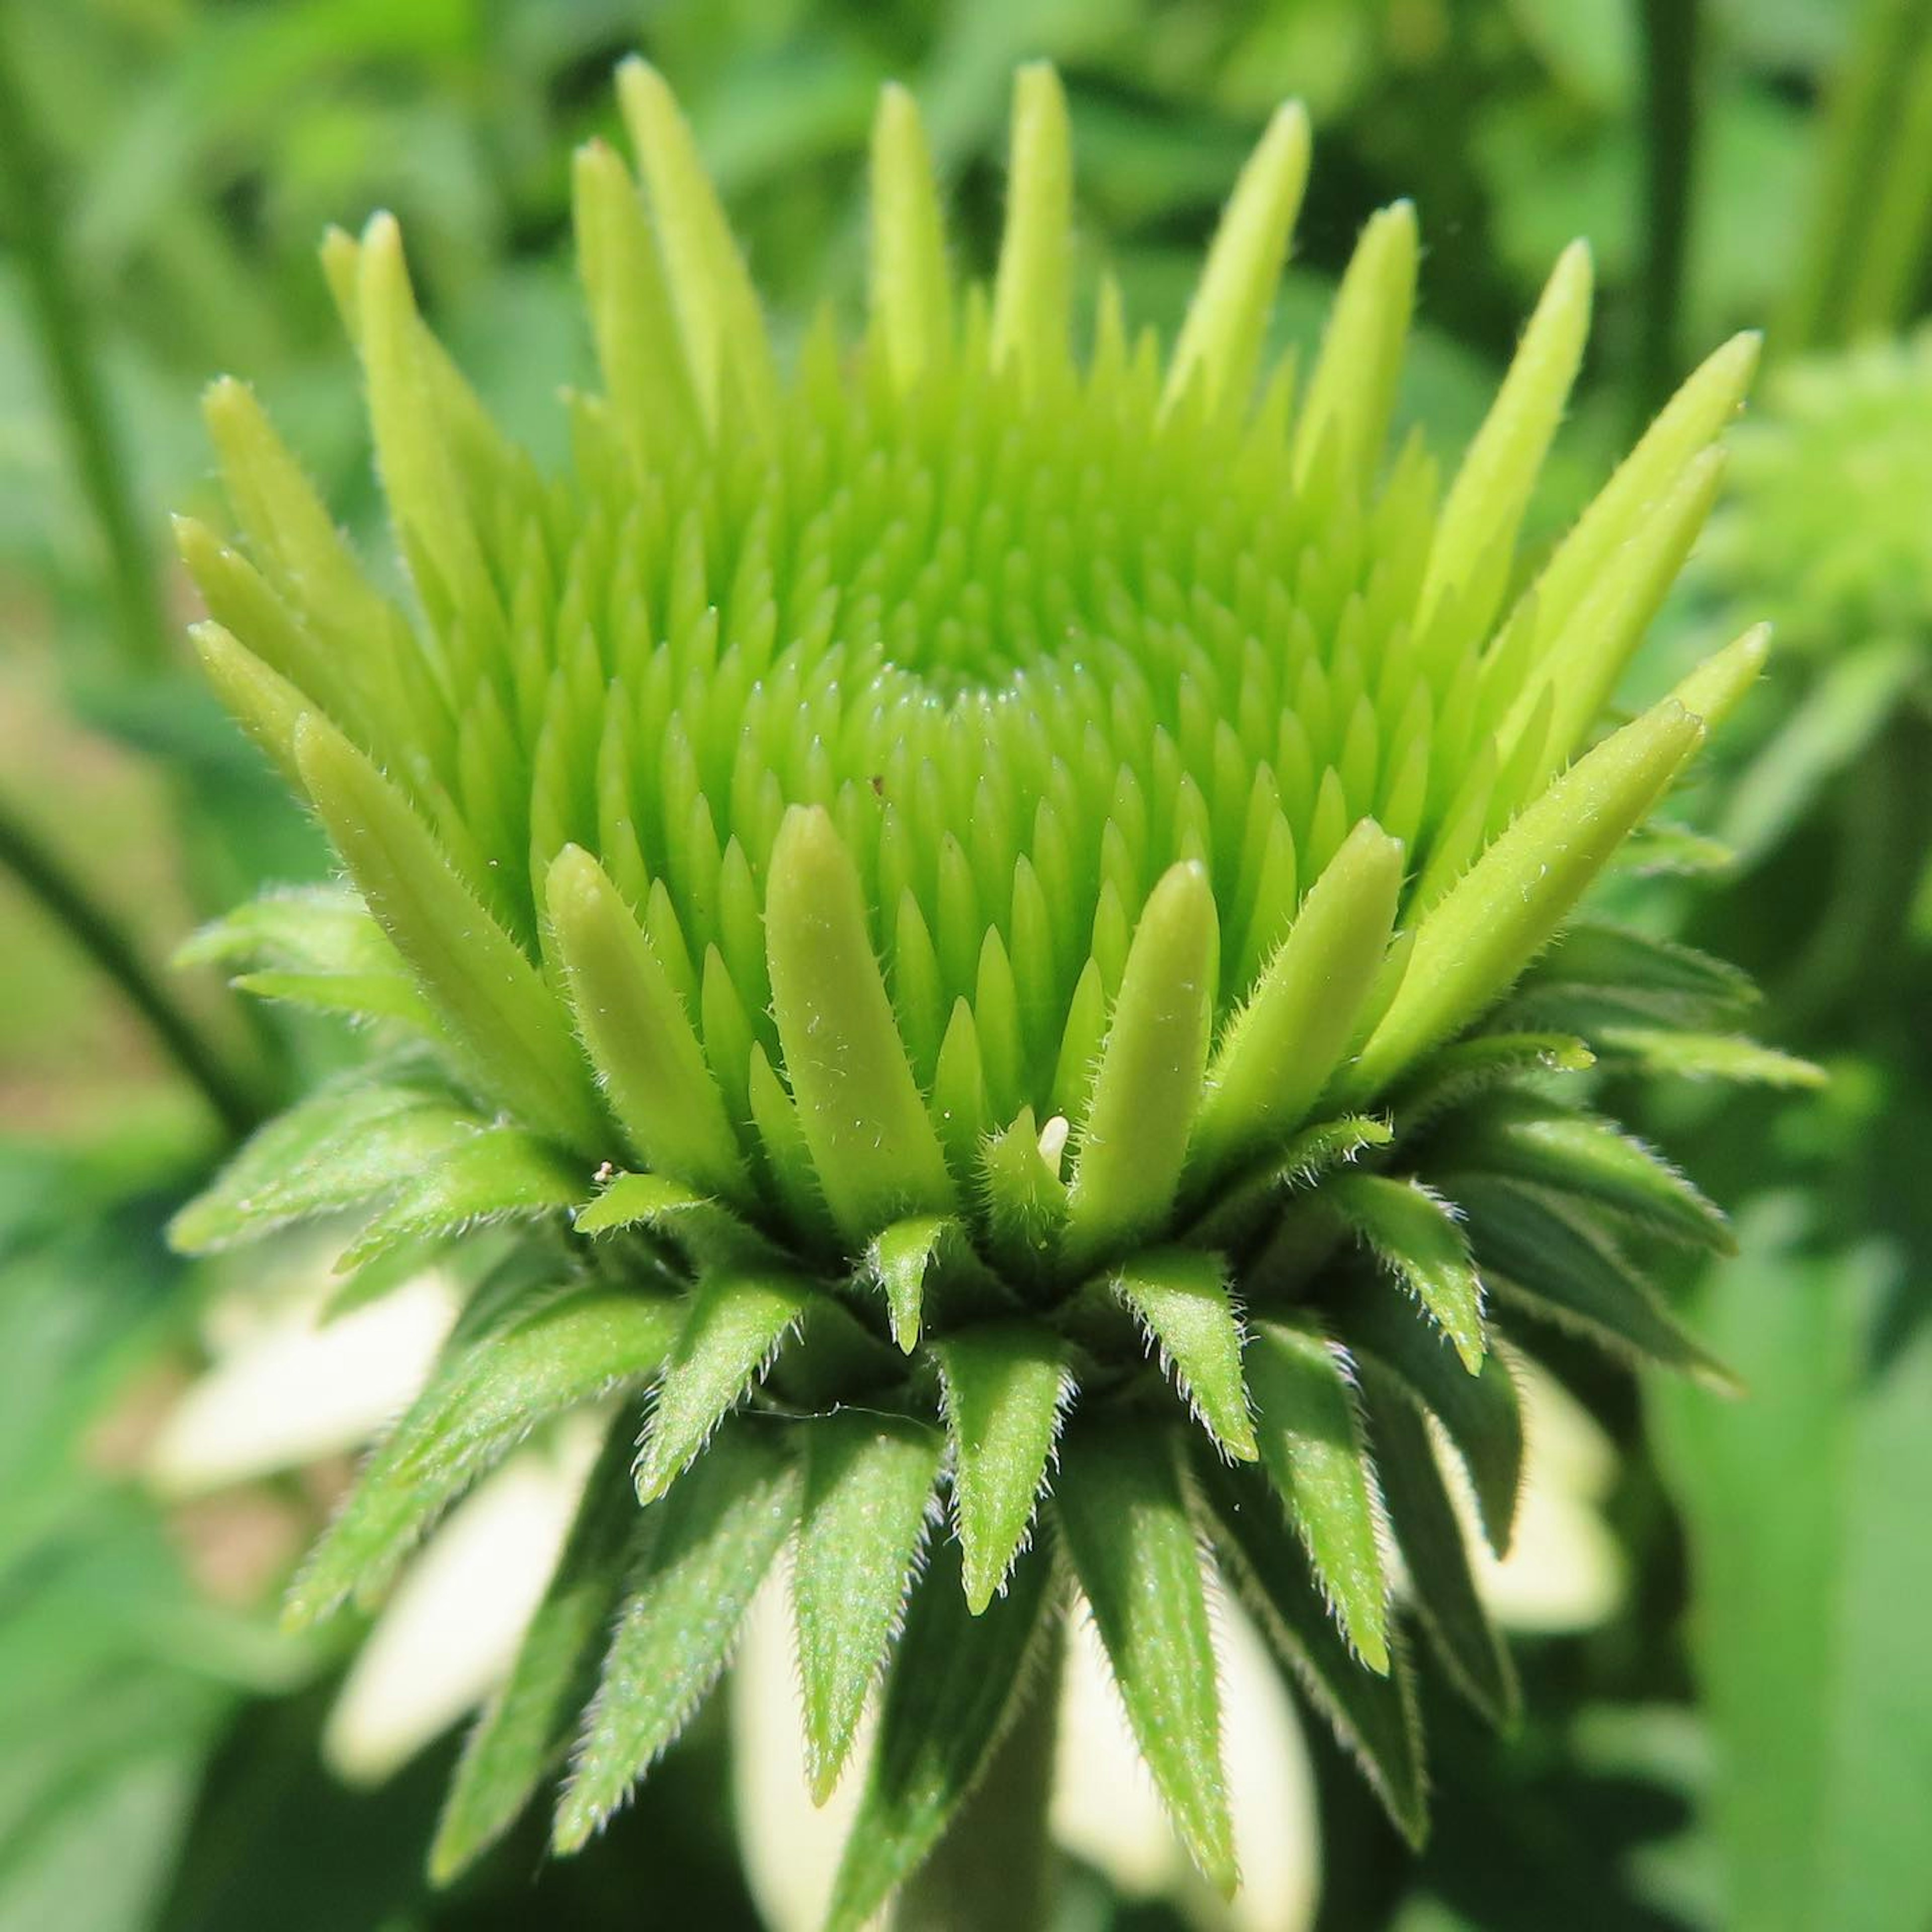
(1746, 1740)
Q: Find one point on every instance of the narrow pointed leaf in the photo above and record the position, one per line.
(1032, 292)
(1279, 1052)
(869, 1492)
(343, 1146)
(736, 1325)
(873, 1145)
(712, 1540)
(512, 1033)
(1430, 1536)
(1180, 1296)
(1374, 1716)
(1503, 911)
(1480, 1414)
(1006, 1385)
(1458, 1072)
(708, 1233)
(955, 1682)
(1026, 1200)
(485, 1176)
(1597, 969)
(639, 1036)
(1415, 1235)
(1220, 342)
(1524, 1138)
(898, 1260)
(1544, 1257)
(1147, 1085)
(526, 1727)
(1708, 1056)
(1238, 1215)
(575, 1349)
(911, 295)
(1120, 1509)
(1313, 1447)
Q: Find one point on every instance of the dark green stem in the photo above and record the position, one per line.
(62, 896)
(1671, 51)
(992, 1871)
(61, 322)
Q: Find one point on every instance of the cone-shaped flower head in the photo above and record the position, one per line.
(981, 906)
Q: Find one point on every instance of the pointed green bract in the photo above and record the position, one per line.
(1121, 1511)
(1542, 1254)
(510, 1029)
(1708, 1056)
(1311, 1444)
(484, 1177)
(1220, 343)
(1472, 946)
(1032, 292)
(1147, 1086)
(710, 1236)
(568, 1350)
(868, 1491)
(1525, 1138)
(1006, 1385)
(1416, 1235)
(873, 1147)
(1278, 1053)
(1480, 1414)
(1430, 1536)
(712, 1541)
(735, 1326)
(899, 1259)
(525, 1729)
(1374, 1715)
(911, 295)
(955, 1681)
(1180, 1295)
(639, 1036)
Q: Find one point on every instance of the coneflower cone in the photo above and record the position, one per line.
(964, 921)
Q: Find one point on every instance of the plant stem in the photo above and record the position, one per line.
(1670, 39)
(67, 901)
(61, 321)
(991, 1872)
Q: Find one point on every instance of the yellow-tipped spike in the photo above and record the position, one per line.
(1220, 341)
(1032, 295)
(718, 310)
(1352, 391)
(911, 293)
(1485, 505)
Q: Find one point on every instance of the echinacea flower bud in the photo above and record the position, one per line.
(979, 918)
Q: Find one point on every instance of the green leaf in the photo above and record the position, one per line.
(526, 1727)
(1416, 1236)
(1120, 1508)
(708, 1233)
(1549, 1260)
(711, 1541)
(497, 1171)
(1180, 1296)
(1430, 1537)
(736, 1325)
(1280, 1048)
(351, 1142)
(898, 1260)
(954, 1681)
(910, 292)
(511, 1030)
(637, 1032)
(873, 1146)
(868, 1491)
(579, 1347)
(1032, 289)
(1502, 912)
(1147, 1085)
(1025, 1199)
(1707, 1056)
(1526, 1138)
(1469, 1067)
(1239, 1215)
(1374, 1716)
(1596, 967)
(1005, 1387)
(1313, 1448)
(1480, 1414)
